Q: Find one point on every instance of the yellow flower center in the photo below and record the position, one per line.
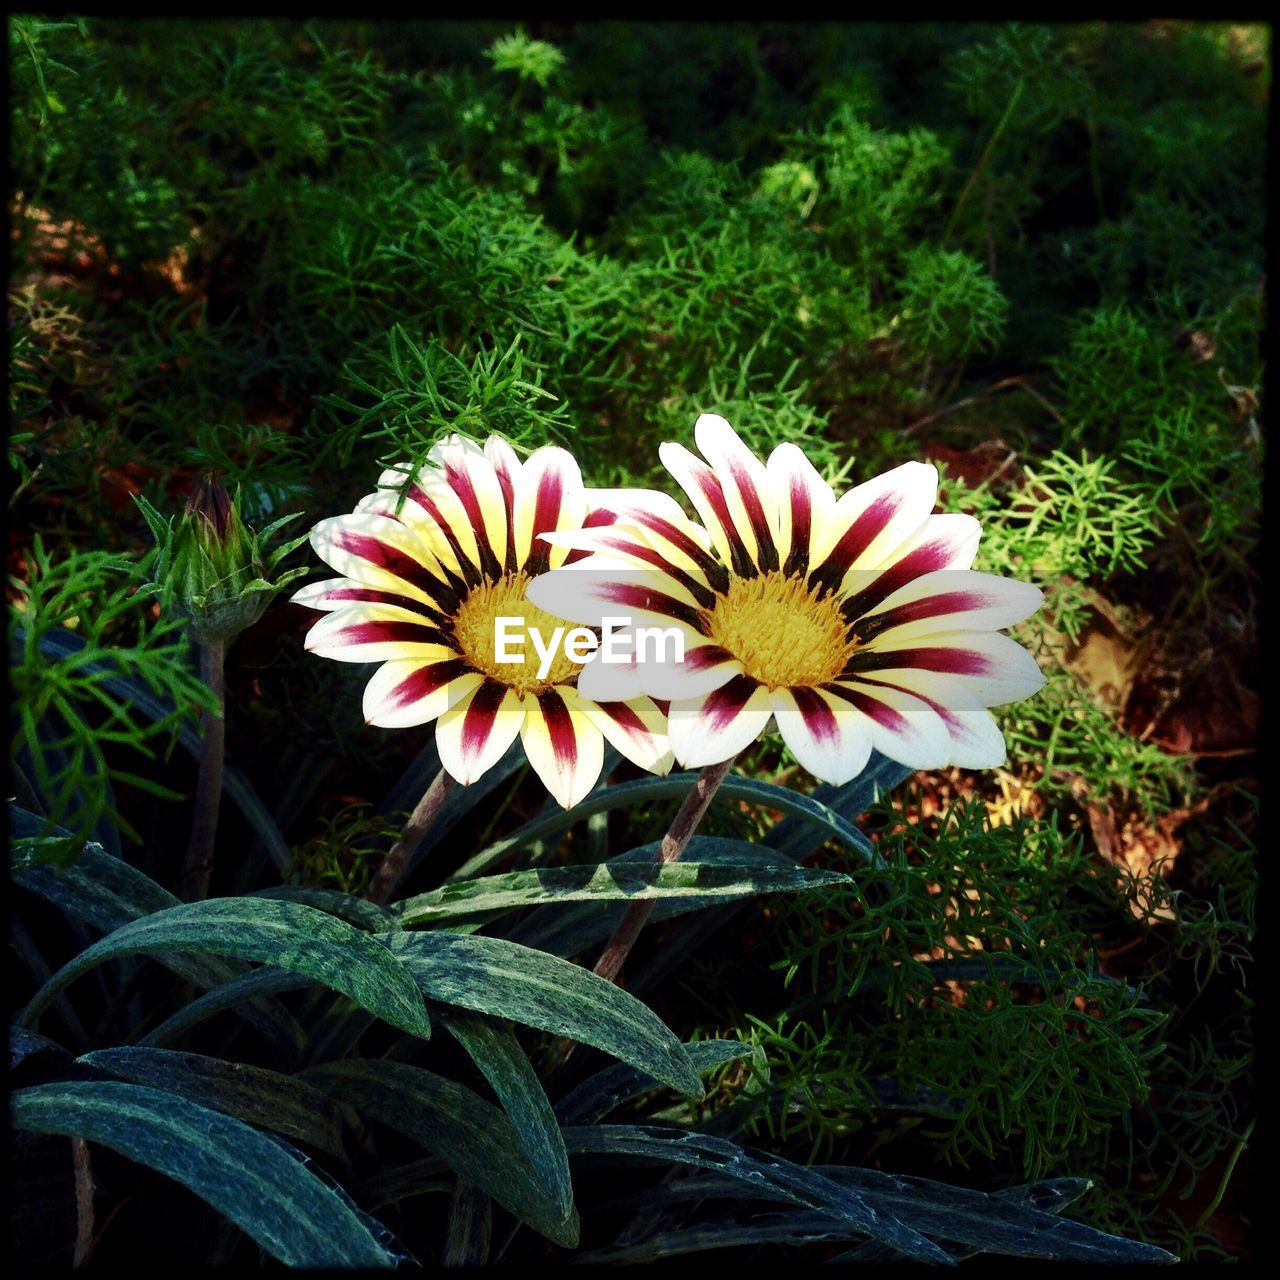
(780, 631)
(475, 630)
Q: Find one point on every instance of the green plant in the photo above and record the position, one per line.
(90, 667)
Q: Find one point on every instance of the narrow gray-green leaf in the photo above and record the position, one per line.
(105, 893)
(494, 976)
(798, 837)
(536, 833)
(768, 1176)
(260, 1097)
(610, 881)
(252, 986)
(365, 915)
(494, 1048)
(471, 1135)
(597, 1095)
(978, 1220)
(244, 1174)
(287, 935)
(801, 1226)
(566, 928)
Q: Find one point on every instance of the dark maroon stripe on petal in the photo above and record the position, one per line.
(470, 573)
(766, 549)
(743, 565)
(677, 538)
(801, 523)
(928, 558)
(956, 662)
(857, 538)
(642, 551)
(726, 702)
(932, 606)
(716, 573)
(480, 717)
(707, 655)
(391, 632)
(546, 515)
(640, 597)
(460, 482)
(626, 717)
(426, 680)
(817, 715)
(597, 518)
(880, 712)
(382, 555)
(370, 595)
(507, 485)
(564, 741)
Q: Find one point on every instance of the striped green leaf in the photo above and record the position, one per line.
(250, 1177)
(542, 833)
(601, 1093)
(494, 1048)
(260, 1097)
(768, 1177)
(612, 881)
(470, 1135)
(287, 935)
(494, 976)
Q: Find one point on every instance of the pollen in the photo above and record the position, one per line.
(475, 632)
(781, 632)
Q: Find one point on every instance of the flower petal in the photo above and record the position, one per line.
(709, 730)
(506, 466)
(406, 692)
(625, 549)
(377, 633)
(702, 485)
(976, 740)
(902, 727)
(475, 734)
(747, 487)
(382, 553)
(602, 681)
(548, 497)
(945, 542)
(681, 542)
(430, 505)
(950, 600)
(805, 502)
(825, 734)
(957, 669)
(563, 743)
(593, 590)
(339, 593)
(636, 728)
(871, 521)
(470, 476)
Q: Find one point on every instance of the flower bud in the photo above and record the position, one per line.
(213, 571)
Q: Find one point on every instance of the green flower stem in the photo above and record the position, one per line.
(673, 845)
(198, 864)
(394, 864)
(616, 950)
(84, 1203)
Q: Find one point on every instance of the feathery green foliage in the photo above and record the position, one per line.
(294, 253)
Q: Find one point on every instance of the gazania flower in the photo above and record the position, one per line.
(853, 623)
(424, 580)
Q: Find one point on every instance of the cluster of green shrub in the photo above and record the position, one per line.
(291, 252)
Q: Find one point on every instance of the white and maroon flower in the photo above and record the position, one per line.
(427, 566)
(854, 623)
